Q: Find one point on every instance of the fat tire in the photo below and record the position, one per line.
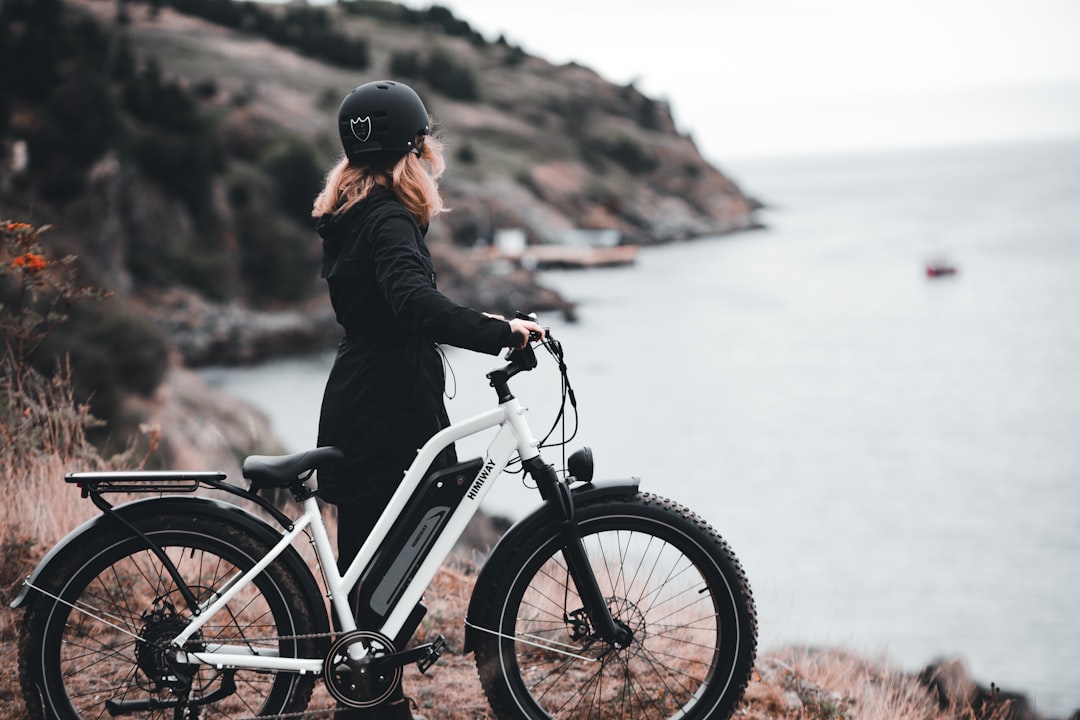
(660, 558)
(112, 570)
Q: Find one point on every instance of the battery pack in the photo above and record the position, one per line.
(410, 540)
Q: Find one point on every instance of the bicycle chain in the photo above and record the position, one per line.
(320, 713)
(291, 637)
(325, 712)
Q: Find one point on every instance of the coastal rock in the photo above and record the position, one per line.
(952, 685)
(191, 426)
(231, 333)
(209, 333)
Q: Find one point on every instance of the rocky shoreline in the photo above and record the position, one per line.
(204, 332)
(211, 333)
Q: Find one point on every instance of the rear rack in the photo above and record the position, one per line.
(143, 481)
(95, 484)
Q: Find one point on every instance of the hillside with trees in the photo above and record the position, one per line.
(175, 146)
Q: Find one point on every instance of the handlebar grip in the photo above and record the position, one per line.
(531, 317)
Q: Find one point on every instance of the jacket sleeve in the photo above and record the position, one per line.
(406, 280)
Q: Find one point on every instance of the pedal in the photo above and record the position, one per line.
(434, 652)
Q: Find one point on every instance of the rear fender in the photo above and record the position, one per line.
(548, 514)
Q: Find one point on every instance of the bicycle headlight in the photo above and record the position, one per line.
(580, 465)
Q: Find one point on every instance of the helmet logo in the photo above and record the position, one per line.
(361, 128)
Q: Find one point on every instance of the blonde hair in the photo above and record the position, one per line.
(413, 180)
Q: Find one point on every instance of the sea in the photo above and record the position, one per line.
(894, 458)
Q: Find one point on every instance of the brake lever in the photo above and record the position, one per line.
(531, 317)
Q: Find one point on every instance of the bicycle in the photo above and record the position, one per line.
(604, 602)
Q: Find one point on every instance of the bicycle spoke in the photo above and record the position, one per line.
(107, 636)
(673, 598)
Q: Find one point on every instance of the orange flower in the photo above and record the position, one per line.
(30, 262)
(15, 227)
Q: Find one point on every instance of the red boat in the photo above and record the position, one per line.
(939, 268)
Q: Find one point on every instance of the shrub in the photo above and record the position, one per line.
(202, 265)
(174, 146)
(447, 75)
(37, 291)
(160, 102)
(183, 165)
(623, 151)
(31, 55)
(444, 18)
(84, 121)
(467, 154)
(108, 352)
(308, 29)
(649, 113)
(279, 260)
(296, 174)
(278, 252)
(406, 63)
(440, 70)
(112, 353)
(515, 55)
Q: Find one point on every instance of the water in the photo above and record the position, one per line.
(894, 459)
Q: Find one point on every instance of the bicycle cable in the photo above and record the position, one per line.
(450, 394)
(548, 644)
(554, 348)
(100, 618)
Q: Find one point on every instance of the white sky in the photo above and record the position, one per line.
(773, 77)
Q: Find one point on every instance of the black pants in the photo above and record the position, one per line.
(355, 523)
(356, 520)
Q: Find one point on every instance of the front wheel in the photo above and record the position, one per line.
(96, 640)
(668, 578)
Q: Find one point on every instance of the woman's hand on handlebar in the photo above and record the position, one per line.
(528, 330)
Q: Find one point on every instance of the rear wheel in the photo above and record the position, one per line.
(667, 576)
(102, 648)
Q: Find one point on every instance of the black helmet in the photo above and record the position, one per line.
(378, 122)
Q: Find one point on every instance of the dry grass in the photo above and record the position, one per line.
(832, 684)
(38, 509)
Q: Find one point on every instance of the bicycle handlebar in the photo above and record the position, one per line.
(520, 359)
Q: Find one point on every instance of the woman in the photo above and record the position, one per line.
(384, 396)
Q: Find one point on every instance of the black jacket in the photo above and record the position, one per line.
(384, 396)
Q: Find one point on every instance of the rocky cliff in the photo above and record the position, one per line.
(199, 213)
(534, 145)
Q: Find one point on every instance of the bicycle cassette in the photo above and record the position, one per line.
(350, 673)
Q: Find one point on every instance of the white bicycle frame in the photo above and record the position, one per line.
(514, 434)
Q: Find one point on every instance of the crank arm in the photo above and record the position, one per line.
(423, 655)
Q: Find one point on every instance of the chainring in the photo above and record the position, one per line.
(354, 682)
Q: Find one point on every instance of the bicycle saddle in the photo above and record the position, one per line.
(279, 471)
